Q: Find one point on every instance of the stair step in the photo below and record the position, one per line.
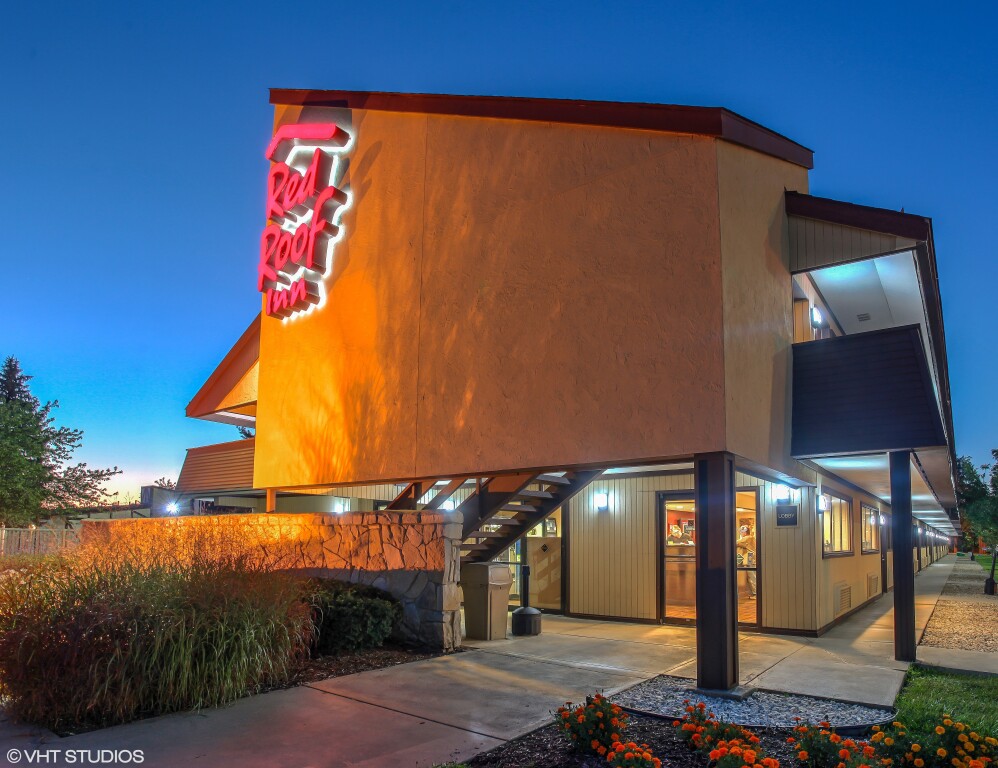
(554, 480)
(474, 547)
(519, 508)
(496, 520)
(528, 494)
(488, 534)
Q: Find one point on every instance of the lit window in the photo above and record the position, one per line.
(871, 528)
(836, 522)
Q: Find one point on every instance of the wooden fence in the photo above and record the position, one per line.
(37, 541)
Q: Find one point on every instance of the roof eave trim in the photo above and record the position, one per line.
(715, 122)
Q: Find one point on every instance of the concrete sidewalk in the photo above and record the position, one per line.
(853, 661)
(418, 714)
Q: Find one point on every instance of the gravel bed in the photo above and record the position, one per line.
(967, 579)
(963, 625)
(665, 695)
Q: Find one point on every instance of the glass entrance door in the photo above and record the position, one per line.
(679, 556)
(679, 568)
(747, 556)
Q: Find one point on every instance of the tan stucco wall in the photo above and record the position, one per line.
(758, 302)
(509, 295)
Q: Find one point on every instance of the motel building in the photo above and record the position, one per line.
(618, 342)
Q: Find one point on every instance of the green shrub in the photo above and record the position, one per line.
(87, 643)
(351, 617)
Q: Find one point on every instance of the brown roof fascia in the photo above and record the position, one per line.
(671, 118)
(232, 445)
(236, 362)
(860, 216)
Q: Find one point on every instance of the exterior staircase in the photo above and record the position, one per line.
(501, 509)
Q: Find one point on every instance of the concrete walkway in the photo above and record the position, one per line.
(853, 661)
(453, 707)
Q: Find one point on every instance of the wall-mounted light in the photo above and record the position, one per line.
(601, 501)
(341, 505)
(823, 502)
(883, 520)
(782, 493)
(817, 318)
(172, 508)
(448, 506)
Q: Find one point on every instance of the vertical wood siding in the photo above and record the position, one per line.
(851, 571)
(613, 555)
(815, 244)
(787, 560)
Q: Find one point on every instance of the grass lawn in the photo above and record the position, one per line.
(970, 699)
(984, 561)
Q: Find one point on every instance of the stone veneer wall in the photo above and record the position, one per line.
(415, 556)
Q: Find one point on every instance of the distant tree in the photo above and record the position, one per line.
(37, 478)
(245, 432)
(165, 482)
(14, 383)
(981, 511)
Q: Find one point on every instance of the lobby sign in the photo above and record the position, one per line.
(786, 514)
(304, 210)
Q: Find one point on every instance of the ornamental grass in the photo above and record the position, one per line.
(96, 638)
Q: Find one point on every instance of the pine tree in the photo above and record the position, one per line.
(37, 478)
(14, 384)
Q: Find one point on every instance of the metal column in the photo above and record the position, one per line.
(716, 593)
(904, 562)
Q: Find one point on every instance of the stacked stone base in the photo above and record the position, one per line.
(413, 556)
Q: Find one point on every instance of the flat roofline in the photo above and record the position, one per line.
(716, 122)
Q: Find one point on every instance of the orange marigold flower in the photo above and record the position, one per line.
(919, 762)
(802, 755)
(940, 730)
(835, 738)
(791, 740)
(868, 751)
(889, 741)
(844, 754)
(941, 752)
(916, 747)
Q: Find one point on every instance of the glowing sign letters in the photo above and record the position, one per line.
(302, 206)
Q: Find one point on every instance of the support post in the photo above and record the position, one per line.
(716, 585)
(904, 561)
(271, 500)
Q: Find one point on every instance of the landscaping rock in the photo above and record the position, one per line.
(665, 695)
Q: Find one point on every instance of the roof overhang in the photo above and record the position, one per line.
(715, 122)
(856, 253)
(229, 394)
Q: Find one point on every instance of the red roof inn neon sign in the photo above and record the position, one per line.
(303, 211)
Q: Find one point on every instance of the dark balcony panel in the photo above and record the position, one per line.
(868, 392)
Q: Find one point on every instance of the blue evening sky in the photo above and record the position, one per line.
(133, 171)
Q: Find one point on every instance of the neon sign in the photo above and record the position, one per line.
(304, 209)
